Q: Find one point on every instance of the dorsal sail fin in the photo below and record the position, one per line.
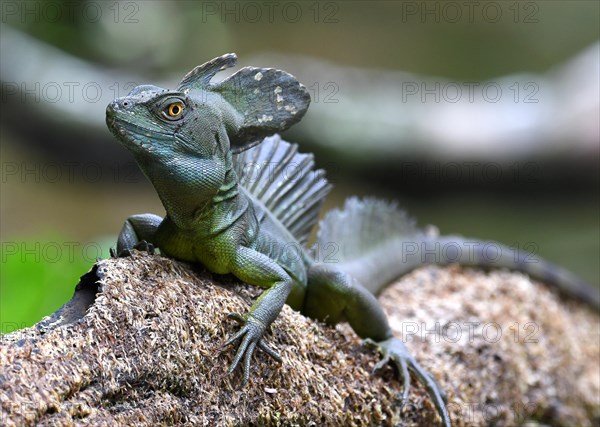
(364, 225)
(285, 182)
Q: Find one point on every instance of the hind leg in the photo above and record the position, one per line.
(334, 296)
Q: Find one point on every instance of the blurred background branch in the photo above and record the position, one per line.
(480, 117)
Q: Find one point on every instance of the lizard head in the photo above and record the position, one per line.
(147, 119)
(204, 119)
(152, 121)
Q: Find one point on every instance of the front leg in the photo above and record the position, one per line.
(137, 229)
(258, 269)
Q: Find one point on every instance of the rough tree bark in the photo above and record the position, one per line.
(139, 344)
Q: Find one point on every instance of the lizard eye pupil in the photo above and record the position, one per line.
(175, 109)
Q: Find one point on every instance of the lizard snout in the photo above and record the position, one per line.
(111, 109)
(114, 110)
(116, 105)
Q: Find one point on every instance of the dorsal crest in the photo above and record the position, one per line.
(285, 182)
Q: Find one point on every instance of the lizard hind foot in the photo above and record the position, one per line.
(250, 337)
(393, 350)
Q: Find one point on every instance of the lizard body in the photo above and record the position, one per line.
(247, 209)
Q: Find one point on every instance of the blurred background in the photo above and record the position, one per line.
(479, 117)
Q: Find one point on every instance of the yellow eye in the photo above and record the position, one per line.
(175, 109)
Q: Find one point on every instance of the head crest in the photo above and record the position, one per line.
(269, 100)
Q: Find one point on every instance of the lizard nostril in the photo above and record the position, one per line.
(125, 104)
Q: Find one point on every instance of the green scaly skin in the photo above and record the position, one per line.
(213, 220)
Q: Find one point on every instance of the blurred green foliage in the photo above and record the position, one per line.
(39, 276)
(463, 40)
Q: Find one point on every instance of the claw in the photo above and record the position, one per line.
(247, 356)
(240, 353)
(381, 364)
(251, 336)
(267, 349)
(144, 246)
(402, 367)
(124, 253)
(233, 339)
(393, 350)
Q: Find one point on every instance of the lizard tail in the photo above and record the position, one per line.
(446, 250)
(376, 242)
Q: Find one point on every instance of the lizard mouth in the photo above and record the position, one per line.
(110, 122)
(133, 136)
(111, 118)
(115, 125)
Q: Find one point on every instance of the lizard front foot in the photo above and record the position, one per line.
(142, 245)
(393, 350)
(251, 336)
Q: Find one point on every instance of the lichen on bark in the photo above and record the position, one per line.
(140, 343)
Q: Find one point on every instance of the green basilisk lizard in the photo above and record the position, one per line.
(240, 200)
